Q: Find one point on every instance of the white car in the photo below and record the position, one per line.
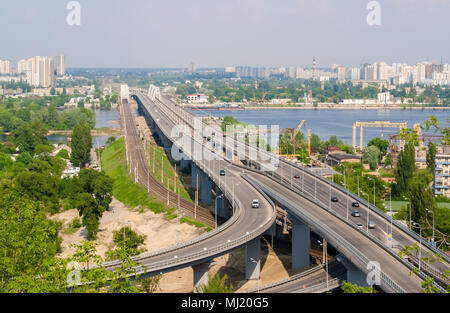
(255, 204)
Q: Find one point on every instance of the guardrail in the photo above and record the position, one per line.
(334, 238)
(206, 252)
(322, 287)
(387, 279)
(373, 208)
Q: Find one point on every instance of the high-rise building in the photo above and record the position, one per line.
(341, 73)
(22, 66)
(60, 64)
(355, 73)
(5, 67)
(41, 71)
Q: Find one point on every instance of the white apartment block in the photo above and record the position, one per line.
(41, 71)
(5, 67)
(442, 172)
(60, 64)
(197, 98)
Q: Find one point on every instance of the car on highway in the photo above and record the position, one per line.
(255, 204)
(359, 226)
(222, 172)
(356, 213)
(297, 176)
(355, 204)
(334, 199)
(371, 225)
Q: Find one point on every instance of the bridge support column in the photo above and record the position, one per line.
(195, 173)
(206, 188)
(223, 206)
(201, 272)
(301, 243)
(354, 274)
(253, 259)
(184, 164)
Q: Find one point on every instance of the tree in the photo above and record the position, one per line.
(215, 285)
(151, 284)
(431, 155)
(90, 212)
(347, 287)
(371, 155)
(28, 136)
(406, 166)
(81, 144)
(381, 144)
(28, 243)
(421, 196)
(97, 184)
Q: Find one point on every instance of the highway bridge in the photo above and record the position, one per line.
(270, 180)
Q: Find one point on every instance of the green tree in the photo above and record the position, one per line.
(81, 144)
(381, 144)
(406, 166)
(215, 285)
(28, 243)
(348, 287)
(431, 155)
(372, 155)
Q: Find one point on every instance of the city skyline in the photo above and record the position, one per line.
(216, 33)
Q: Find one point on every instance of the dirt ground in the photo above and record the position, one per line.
(162, 233)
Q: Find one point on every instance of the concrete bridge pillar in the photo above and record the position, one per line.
(253, 259)
(223, 205)
(195, 173)
(206, 188)
(201, 272)
(354, 274)
(184, 163)
(301, 243)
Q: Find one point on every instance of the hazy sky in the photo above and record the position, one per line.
(173, 33)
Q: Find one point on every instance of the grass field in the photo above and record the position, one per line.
(130, 194)
(158, 155)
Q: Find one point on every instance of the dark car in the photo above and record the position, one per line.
(222, 172)
(334, 199)
(355, 204)
(296, 176)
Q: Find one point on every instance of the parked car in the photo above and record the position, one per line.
(255, 203)
(334, 199)
(355, 204)
(356, 213)
(222, 172)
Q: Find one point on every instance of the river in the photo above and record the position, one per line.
(103, 118)
(326, 123)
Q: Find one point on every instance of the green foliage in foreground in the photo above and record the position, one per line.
(215, 285)
(347, 287)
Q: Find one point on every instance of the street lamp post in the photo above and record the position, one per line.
(325, 258)
(432, 239)
(215, 209)
(420, 243)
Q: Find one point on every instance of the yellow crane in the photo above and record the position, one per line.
(292, 141)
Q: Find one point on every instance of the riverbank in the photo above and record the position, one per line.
(337, 107)
(104, 131)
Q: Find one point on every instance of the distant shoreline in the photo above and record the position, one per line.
(347, 108)
(319, 107)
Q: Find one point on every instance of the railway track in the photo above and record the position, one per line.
(137, 161)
